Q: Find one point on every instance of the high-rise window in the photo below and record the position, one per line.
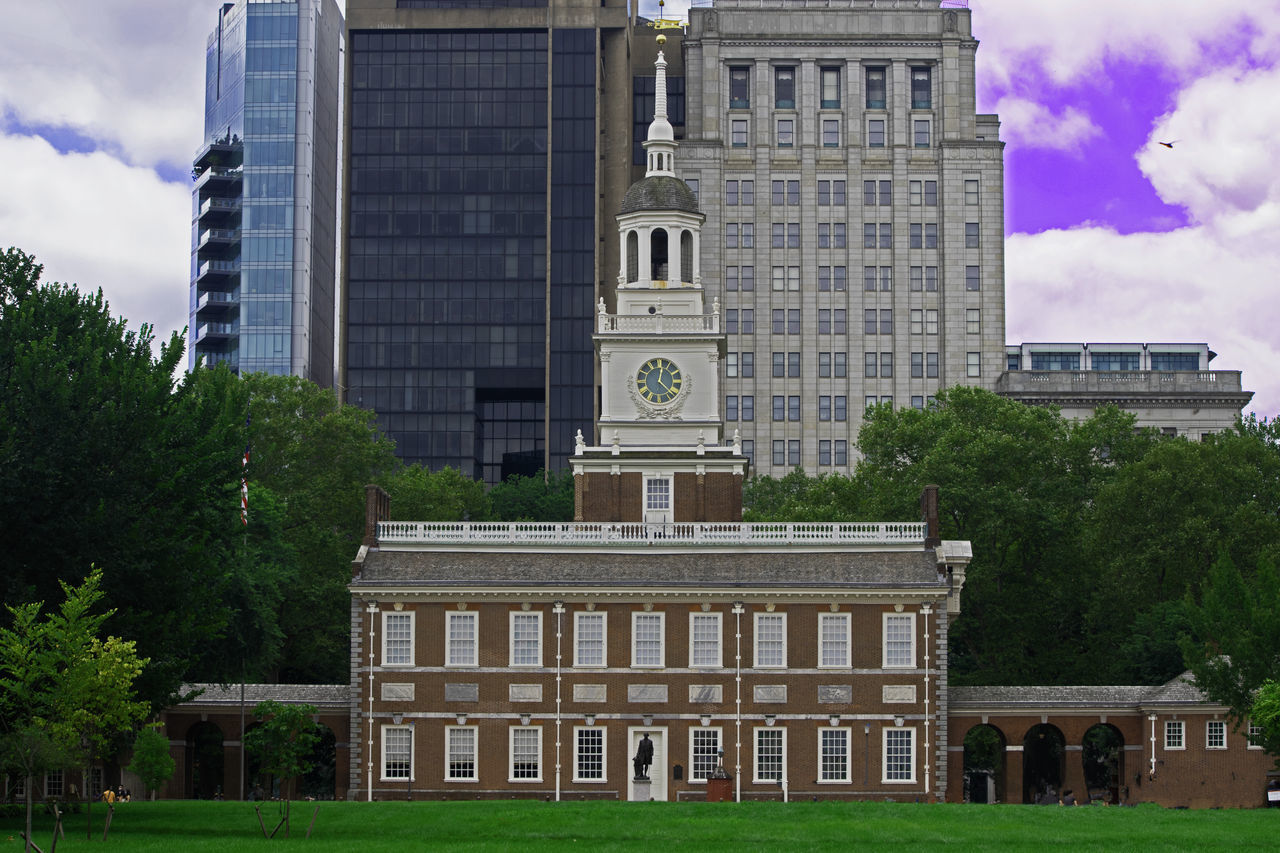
(972, 364)
(830, 133)
(921, 90)
(875, 133)
(738, 133)
(784, 87)
(739, 87)
(829, 83)
(786, 132)
(971, 235)
(876, 89)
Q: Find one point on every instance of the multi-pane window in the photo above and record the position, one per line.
(886, 235)
(824, 451)
(886, 321)
(793, 408)
(917, 321)
(779, 407)
(53, 784)
(930, 193)
(921, 91)
(793, 321)
(972, 278)
(876, 88)
(833, 755)
(748, 407)
(886, 365)
(916, 277)
(397, 639)
(588, 639)
(786, 132)
(831, 235)
(972, 364)
(785, 192)
(749, 450)
(870, 361)
(920, 132)
(839, 364)
(793, 365)
(915, 236)
(917, 402)
(931, 321)
(793, 452)
(784, 87)
(779, 364)
(731, 321)
(770, 754)
(731, 365)
(841, 406)
(869, 279)
(842, 452)
(875, 133)
(738, 133)
(833, 639)
(739, 192)
(460, 752)
(646, 639)
(526, 639)
(899, 755)
(461, 639)
(973, 321)
(830, 133)
(1253, 734)
(824, 365)
(657, 491)
(1215, 734)
(731, 230)
(931, 279)
(868, 235)
(771, 640)
(824, 407)
(748, 365)
(526, 753)
(704, 753)
(397, 752)
(829, 88)
(779, 452)
(917, 365)
(831, 193)
(731, 407)
(704, 639)
(971, 191)
(899, 640)
(971, 235)
(588, 755)
(1175, 734)
(931, 365)
(869, 321)
(931, 235)
(739, 87)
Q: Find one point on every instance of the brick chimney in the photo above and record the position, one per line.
(377, 507)
(929, 515)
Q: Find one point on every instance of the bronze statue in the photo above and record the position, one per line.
(644, 757)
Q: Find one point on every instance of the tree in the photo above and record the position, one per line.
(542, 497)
(796, 497)
(152, 762)
(284, 740)
(1233, 649)
(64, 692)
(419, 494)
(1265, 714)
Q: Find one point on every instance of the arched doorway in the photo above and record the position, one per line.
(984, 765)
(1103, 757)
(1044, 752)
(319, 783)
(205, 761)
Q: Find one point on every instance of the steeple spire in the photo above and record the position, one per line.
(661, 141)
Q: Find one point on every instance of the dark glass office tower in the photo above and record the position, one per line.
(483, 167)
(264, 206)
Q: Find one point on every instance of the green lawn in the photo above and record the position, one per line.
(193, 827)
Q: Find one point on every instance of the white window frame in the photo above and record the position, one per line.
(1252, 733)
(823, 733)
(910, 619)
(604, 754)
(1175, 735)
(657, 493)
(579, 617)
(1215, 730)
(695, 753)
(781, 618)
(694, 618)
(407, 730)
(888, 735)
(521, 615)
(643, 616)
(511, 753)
(54, 783)
(410, 618)
(466, 651)
(823, 620)
(756, 755)
(449, 773)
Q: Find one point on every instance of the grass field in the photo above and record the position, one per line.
(223, 827)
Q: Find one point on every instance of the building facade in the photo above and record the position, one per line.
(487, 150)
(263, 236)
(855, 220)
(1169, 387)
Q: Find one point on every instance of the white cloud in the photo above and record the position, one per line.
(1032, 125)
(127, 73)
(1070, 40)
(97, 222)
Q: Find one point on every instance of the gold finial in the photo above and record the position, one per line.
(661, 39)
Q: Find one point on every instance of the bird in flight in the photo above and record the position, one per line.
(1170, 144)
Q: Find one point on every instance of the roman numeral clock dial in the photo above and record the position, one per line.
(659, 381)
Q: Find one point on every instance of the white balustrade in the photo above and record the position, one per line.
(630, 533)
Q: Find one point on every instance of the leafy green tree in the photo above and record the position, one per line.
(152, 762)
(1266, 715)
(64, 692)
(1233, 648)
(419, 494)
(284, 740)
(797, 497)
(542, 497)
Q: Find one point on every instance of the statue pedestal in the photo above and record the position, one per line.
(641, 790)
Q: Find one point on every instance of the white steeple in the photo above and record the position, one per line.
(661, 142)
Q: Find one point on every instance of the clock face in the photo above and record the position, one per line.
(659, 380)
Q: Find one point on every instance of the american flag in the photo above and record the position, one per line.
(244, 477)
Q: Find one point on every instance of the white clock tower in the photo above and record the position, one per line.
(662, 455)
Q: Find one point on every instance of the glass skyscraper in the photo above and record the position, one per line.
(476, 195)
(265, 198)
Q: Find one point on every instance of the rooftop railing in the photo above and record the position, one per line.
(639, 533)
(658, 323)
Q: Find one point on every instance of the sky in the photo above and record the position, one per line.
(1110, 236)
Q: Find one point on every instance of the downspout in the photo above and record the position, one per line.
(1152, 718)
(925, 611)
(369, 771)
(558, 610)
(737, 719)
